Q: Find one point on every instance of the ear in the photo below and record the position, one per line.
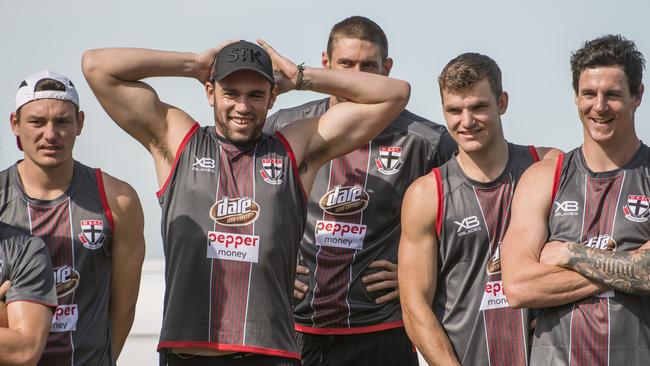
(13, 121)
(639, 96)
(81, 116)
(325, 60)
(503, 102)
(388, 65)
(209, 92)
(274, 94)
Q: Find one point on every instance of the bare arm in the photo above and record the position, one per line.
(23, 341)
(115, 74)
(127, 253)
(528, 283)
(547, 152)
(622, 271)
(375, 101)
(418, 256)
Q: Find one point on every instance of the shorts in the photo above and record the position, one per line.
(233, 359)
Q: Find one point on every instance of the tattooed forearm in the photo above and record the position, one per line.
(622, 271)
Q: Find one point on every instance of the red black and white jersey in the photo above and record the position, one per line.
(232, 219)
(77, 230)
(469, 301)
(354, 219)
(607, 211)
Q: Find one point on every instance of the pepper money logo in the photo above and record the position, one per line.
(344, 200)
(240, 211)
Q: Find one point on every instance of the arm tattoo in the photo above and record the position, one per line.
(622, 271)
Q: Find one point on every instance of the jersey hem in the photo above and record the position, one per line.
(181, 147)
(353, 330)
(229, 347)
(33, 302)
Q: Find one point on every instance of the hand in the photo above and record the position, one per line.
(284, 70)
(300, 288)
(381, 280)
(644, 247)
(205, 60)
(4, 321)
(555, 253)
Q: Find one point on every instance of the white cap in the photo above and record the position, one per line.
(29, 89)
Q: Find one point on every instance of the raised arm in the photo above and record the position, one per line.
(528, 283)
(115, 74)
(418, 257)
(622, 271)
(127, 253)
(375, 101)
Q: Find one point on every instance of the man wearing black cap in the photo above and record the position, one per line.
(91, 223)
(234, 200)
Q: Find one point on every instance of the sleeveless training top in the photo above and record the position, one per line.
(469, 301)
(607, 211)
(354, 219)
(232, 219)
(77, 229)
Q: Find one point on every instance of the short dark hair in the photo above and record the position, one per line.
(609, 50)
(467, 69)
(358, 27)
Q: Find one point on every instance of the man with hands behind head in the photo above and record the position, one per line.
(233, 199)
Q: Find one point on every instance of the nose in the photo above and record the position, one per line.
(49, 131)
(466, 119)
(243, 105)
(601, 104)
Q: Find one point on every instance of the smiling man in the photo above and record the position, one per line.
(234, 200)
(348, 310)
(591, 204)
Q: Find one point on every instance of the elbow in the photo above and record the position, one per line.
(516, 294)
(403, 93)
(27, 356)
(89, 62)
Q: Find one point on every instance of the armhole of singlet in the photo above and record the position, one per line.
(294, 164)
(533, 153)
(102, 196)
(441, 201)
(556, 177)
(181, 147)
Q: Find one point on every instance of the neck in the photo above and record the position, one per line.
(609, 156)
(485, 165)
(45, 183)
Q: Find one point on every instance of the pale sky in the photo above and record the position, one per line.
(531, 42)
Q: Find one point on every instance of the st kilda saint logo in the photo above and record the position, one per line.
(66, 280)
(342, 201)
(637, 208)
(240, 211)
(390, 159)
(92, 234)
(271, 170)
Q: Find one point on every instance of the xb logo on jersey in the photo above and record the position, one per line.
(203, 164)
(566, 208)
(637, 208)
(468, 225)
(390, 159)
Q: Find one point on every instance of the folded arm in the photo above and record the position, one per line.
(23, 341)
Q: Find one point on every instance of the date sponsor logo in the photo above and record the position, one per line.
(494, 263)
(240, 211)
(339, 234)
(494, 296)
(234, 247)
(65, 318)
(603, 242)
(66, 280)
(344, 200)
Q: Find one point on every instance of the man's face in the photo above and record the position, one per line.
(605, 104)
(241, 101)
(47, 130)
(356, 54)
(473, 116)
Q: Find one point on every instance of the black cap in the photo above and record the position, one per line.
(242, 55)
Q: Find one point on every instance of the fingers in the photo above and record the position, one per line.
(4, 288)
(382, 263)
(379, 276)
(388, 297)
(382, 286)
(267, 47)
(302, 270)
(299, 289)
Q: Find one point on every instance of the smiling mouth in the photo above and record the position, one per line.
(241, 121)
(602, 120)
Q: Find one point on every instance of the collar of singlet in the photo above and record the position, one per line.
(233, 148)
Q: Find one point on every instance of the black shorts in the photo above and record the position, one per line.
(390, 347)
(233, 359)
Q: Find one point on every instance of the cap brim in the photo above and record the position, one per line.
(219, 77)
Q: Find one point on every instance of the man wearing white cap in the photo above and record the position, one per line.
(91, 223)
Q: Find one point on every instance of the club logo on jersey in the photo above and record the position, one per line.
(271, 170)
(566, 208)
(637, 208)
(604, 242)
(92, 234)
(390, 159)
(203, 164)
(344, 200)
(468, 225)
(240, 211)
(66, 280)
(494, 263)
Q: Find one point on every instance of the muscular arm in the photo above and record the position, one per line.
(23, 341)
(418, 256)
(529, 283)
(126, 258)
(622, 271)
